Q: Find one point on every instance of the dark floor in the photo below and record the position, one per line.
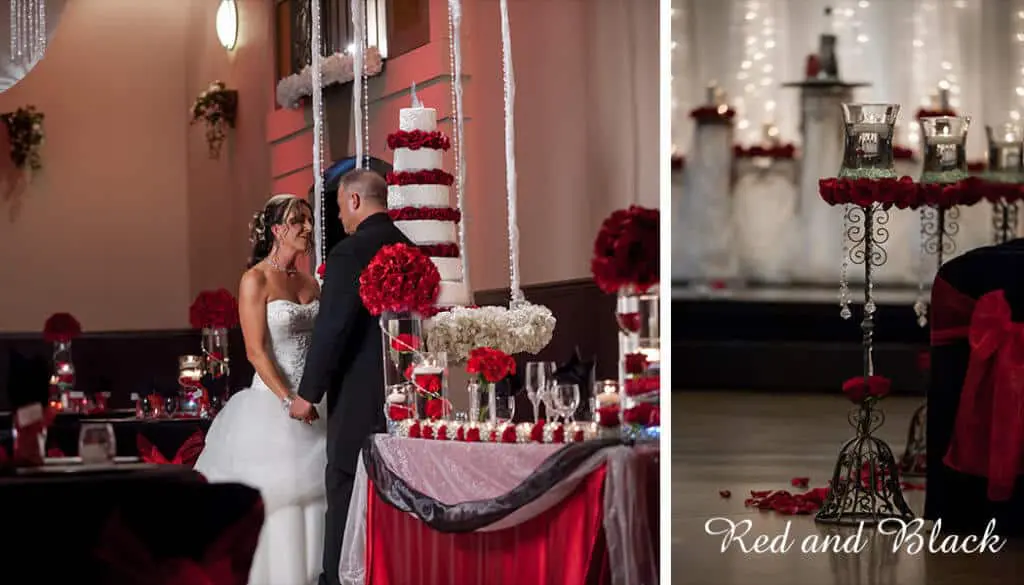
(740, 442)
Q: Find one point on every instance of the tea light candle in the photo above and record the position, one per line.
(606, 399)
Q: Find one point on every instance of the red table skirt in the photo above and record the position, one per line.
(562, 546)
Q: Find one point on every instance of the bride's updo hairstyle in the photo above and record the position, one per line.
(276, 212)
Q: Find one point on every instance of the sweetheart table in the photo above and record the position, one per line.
(428, 512)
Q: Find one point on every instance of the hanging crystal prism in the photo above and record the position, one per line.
(28, 30)
(844, 285)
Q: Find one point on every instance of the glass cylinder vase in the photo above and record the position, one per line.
(62, 383)
(482, 402)
(1005, 152)
(944, 149)
(639, 318)
(429, 377)
(869, 130)
(638, 315)
(401, 340)
(215, 350)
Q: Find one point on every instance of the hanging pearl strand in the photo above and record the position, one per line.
(318, 130)
(358, 69)
(510, 156)
(455, 63)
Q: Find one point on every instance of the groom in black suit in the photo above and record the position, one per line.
(345, 360)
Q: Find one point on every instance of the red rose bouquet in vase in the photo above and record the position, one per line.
(488, 366)
(60, 329)
(214, 312)
(398, 286)
(428, 377)
(626, 262)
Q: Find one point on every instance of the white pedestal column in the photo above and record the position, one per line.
(703, 246)
(818, 258)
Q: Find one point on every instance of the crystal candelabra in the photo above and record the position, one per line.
(1005, 165)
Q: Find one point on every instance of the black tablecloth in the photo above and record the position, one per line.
(167, 435)
(57, 523)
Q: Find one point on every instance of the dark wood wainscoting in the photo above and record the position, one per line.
(140, 361)
(586, 320)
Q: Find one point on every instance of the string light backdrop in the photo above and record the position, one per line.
(757, 101)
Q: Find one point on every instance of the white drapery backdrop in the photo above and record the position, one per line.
(904, 48)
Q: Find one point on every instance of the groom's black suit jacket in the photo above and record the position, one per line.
(345, 360)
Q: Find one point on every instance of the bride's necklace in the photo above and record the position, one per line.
(288, 271)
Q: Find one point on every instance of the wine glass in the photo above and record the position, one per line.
(506, 408)
(566, 398)
(539, 375)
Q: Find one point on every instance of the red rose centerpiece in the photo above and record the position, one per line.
(60, 329)
(399, 286)
(488, 367)
(214, 312)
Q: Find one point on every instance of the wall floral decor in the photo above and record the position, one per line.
(216, 108)
(25, 130)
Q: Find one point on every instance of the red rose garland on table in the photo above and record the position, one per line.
(216, 309)
(627, 251)
(400, 278)
(61, 327)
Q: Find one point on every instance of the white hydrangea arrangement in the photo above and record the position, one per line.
(526, 328)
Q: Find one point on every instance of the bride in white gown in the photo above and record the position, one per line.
(252, 440)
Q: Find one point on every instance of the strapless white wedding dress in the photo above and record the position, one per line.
(253, 441)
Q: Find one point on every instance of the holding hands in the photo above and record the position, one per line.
(301, 409)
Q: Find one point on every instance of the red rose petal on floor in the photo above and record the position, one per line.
(800, 482)
(725, 493)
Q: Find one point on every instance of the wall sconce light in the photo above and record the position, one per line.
(227, 23)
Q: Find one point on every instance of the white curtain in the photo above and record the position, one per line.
(904, 48)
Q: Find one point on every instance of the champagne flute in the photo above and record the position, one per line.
(538, 376)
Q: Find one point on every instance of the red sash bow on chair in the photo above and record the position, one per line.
(187, 454)
(988, 436)
(227, 561)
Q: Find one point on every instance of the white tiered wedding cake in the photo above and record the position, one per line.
(419, 198)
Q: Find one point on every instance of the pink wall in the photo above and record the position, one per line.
(102, 230)
(129, 219)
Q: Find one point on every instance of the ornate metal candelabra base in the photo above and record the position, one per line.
(865, 485)
(915, 460)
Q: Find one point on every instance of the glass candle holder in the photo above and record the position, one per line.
(1005, 151)
(944, 149)
(869, 130)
